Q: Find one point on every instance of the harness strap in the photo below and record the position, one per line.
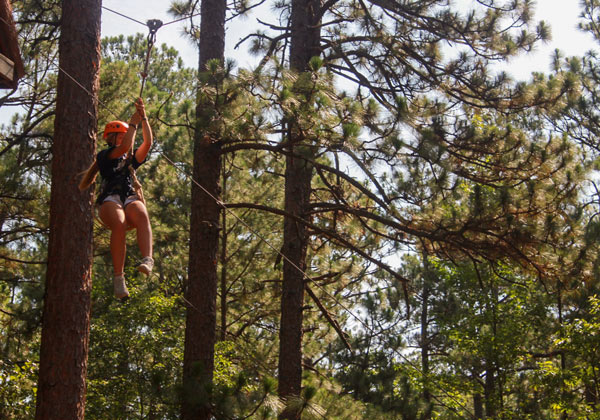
(137, 188)
(136, 184)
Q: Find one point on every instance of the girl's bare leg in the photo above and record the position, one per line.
(137, 216)
(113, 216)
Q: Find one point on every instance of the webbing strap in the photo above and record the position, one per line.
(137, 185)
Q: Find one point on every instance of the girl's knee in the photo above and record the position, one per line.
(136, 214)
(112, 215)
(119, 227)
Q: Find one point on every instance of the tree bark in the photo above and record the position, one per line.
(298, 174)
(477, 405)
(224, 292)
(425, 341)
(201, 291)
(305, 41)
(66, 314)
(304, 44)
(490, 391)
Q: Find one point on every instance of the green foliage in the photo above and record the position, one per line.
(17, 382)
(25, 154)
(135, 350)
(488, 197)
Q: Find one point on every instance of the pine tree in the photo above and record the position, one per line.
(66, 318)
(444, 174)
(390, 54)
(201, 288)
(304, 44)
(24, 196)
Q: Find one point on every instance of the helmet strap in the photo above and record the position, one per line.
(111, 139)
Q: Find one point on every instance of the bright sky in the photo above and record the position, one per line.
(560, 14)
(170, 34)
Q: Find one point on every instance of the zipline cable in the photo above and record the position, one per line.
(263, 239)
(145, 24)
(125, 16)
(182, 18)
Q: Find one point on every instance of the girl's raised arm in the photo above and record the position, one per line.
(143, 150)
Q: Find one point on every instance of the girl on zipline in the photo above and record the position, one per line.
(121, 200)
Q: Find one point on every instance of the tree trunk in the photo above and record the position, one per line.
(305, 43)
(492, 393)
(66, 315)
(224, 292)
(295, 240)
(425, 342)
(478, 405)
(201, 291)
(491, 406)
(563, 355)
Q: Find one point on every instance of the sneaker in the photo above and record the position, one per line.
(120, 287)
(146, 265)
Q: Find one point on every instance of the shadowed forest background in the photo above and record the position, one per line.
(374, 222)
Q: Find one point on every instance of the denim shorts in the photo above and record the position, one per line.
(115, 198)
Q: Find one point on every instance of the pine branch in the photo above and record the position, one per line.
(7, 258)
(327, 315)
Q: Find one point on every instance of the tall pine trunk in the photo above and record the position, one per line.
(66, 315)
(201, 292)
(492, 390)
(305, 44)
(425, 340)
(298, 175)
(223, 258)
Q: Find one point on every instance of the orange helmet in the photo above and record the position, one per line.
(115, 127)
